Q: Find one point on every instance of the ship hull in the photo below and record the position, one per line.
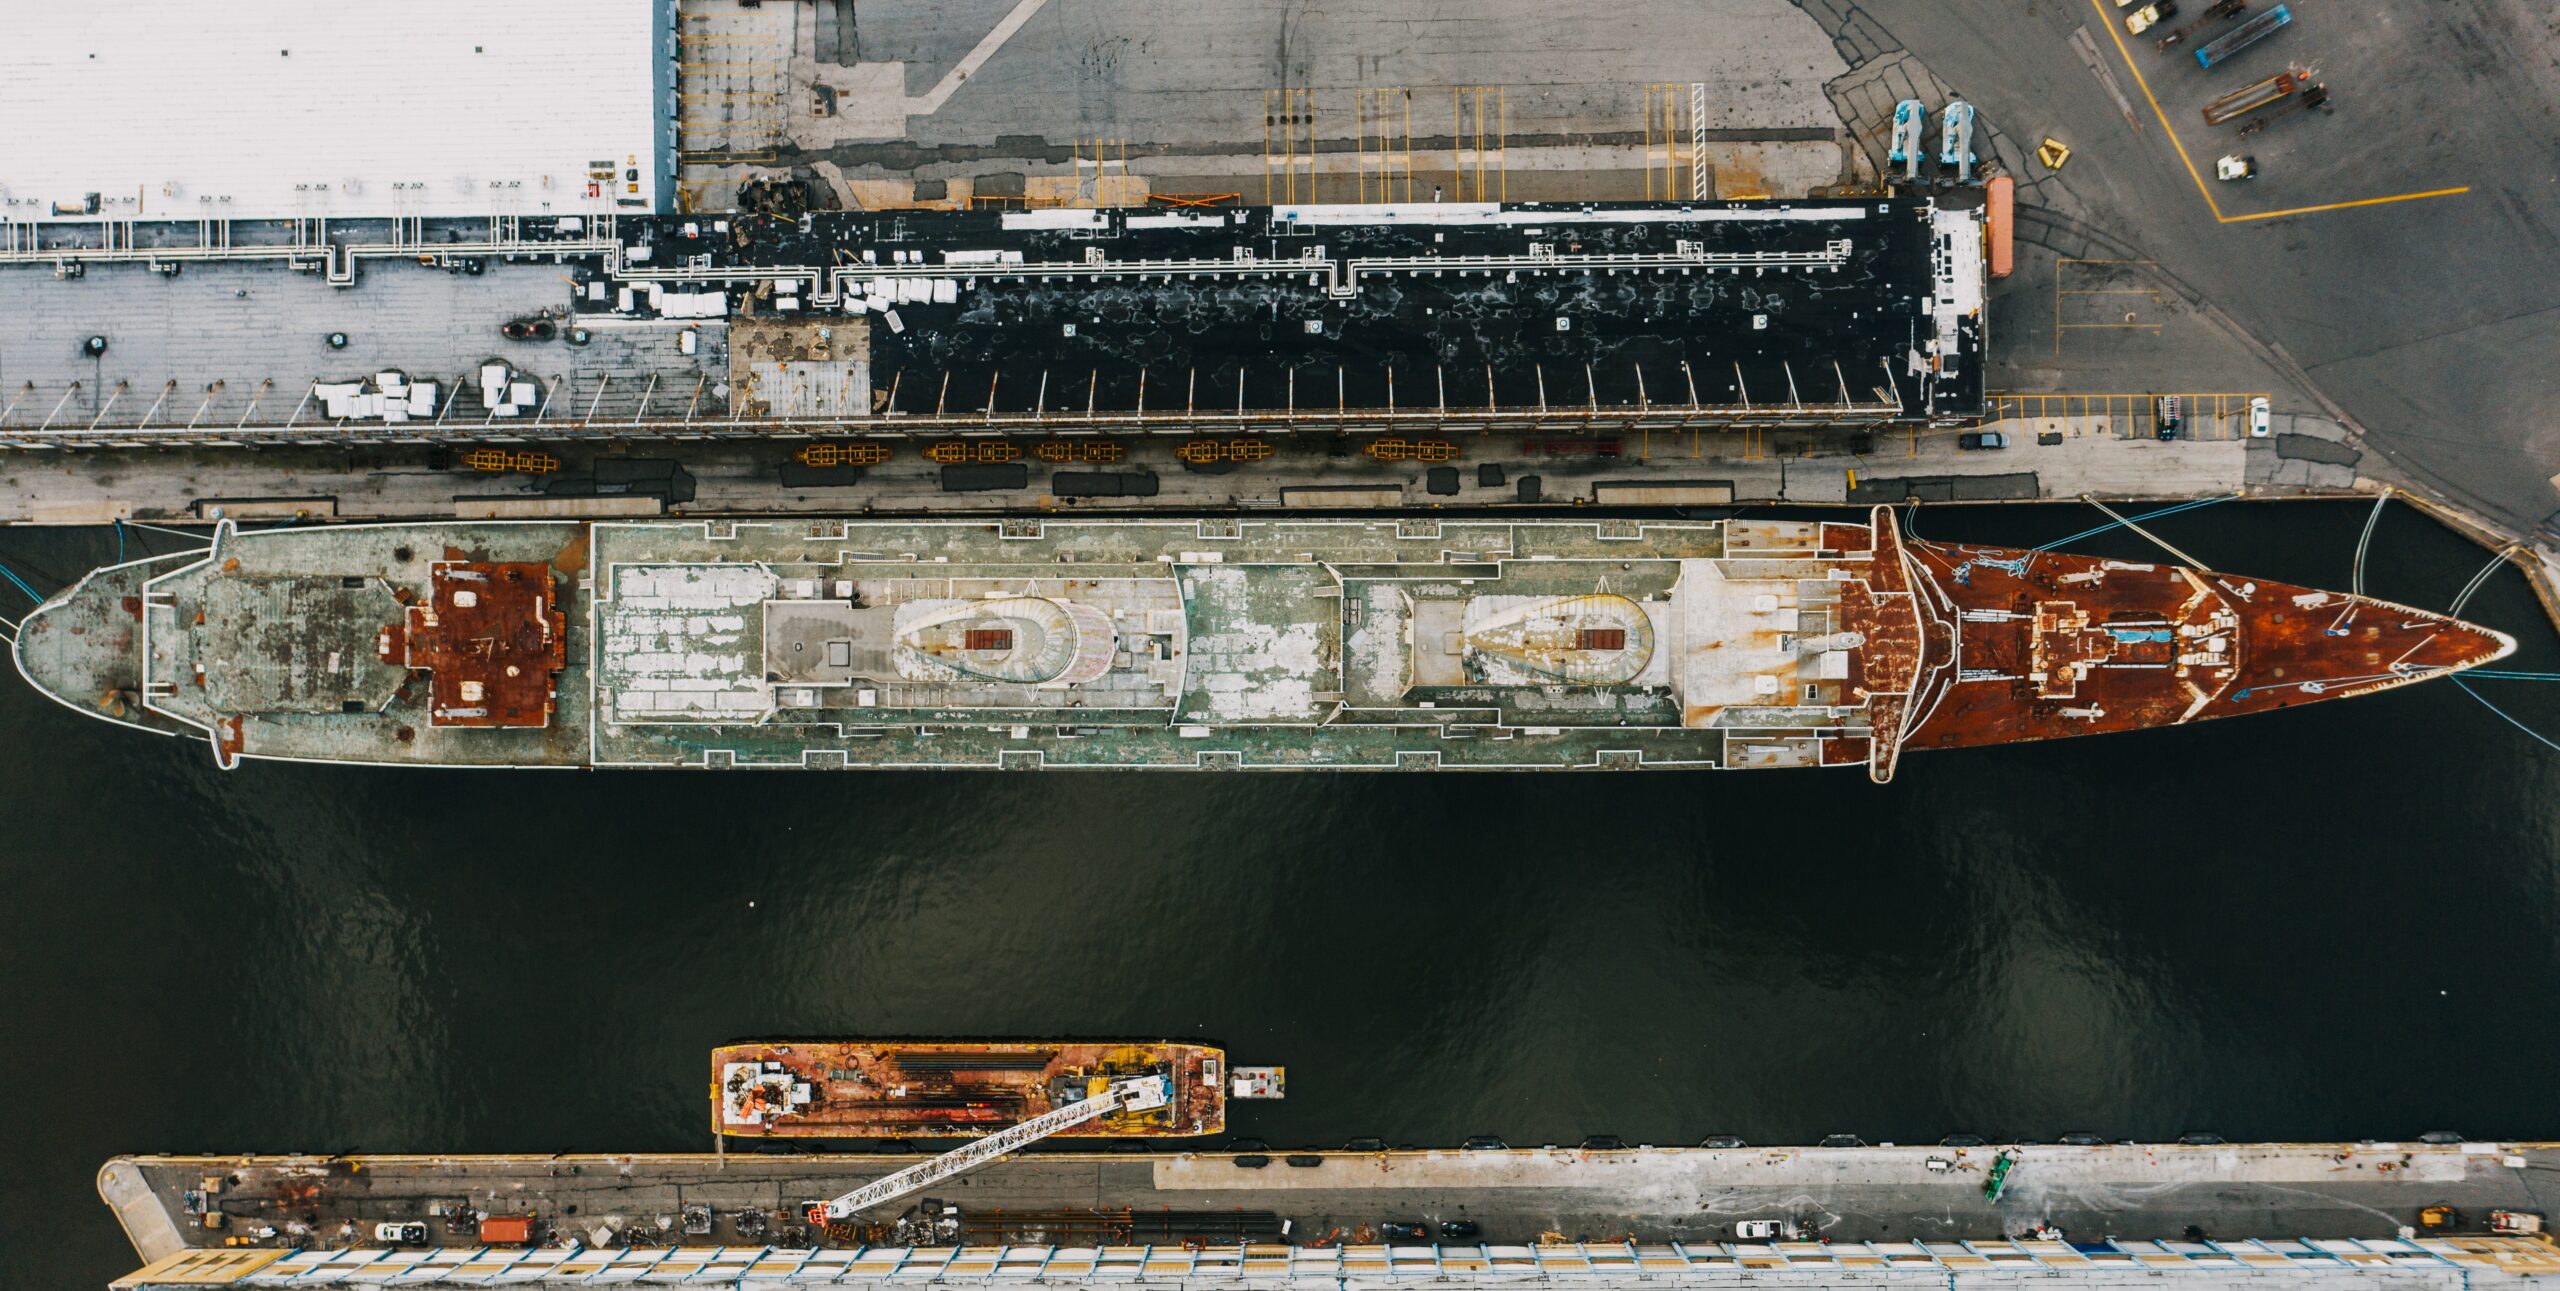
(908, 1090)
(1203, 643)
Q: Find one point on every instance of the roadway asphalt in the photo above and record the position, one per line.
(1187, 93)
(2429, 324)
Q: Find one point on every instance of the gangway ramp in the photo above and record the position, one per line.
(1135, 1095)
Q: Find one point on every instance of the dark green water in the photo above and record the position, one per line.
(2337, 922)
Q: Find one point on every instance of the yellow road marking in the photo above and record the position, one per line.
(2340, 206)
(2192, 173)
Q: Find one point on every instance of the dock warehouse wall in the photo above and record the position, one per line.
(278, 109)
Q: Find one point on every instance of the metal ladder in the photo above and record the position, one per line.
(1138, 1094)
(1699, 181)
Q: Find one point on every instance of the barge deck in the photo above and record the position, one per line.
(919, 1090)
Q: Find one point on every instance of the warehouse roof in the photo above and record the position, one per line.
(2476, 1261)
(263, 109)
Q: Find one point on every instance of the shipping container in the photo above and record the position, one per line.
(2000, 222)
(507, 1230)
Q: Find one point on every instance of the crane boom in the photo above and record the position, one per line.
(1137, 1094)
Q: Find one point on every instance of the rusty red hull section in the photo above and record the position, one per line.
(2025, 645)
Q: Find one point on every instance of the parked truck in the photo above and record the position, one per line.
(2267, 93)
(2220, 49)
(2213, 13)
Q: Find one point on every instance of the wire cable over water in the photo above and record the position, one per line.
(2539, 738)
(195, 538)
(2364, 541)
(2463, 598)
(21, 584)
(2122, 521)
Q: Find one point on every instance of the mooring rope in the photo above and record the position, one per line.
(2365, 540)
(2121, 521)
(2463, 597)
(2539, 737)
(196, 538)
(12, 576)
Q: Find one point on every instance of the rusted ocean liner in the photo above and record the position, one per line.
(1220, 643)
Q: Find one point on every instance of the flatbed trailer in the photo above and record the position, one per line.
(2314, 95)
(2241, 102)
(2222, 48)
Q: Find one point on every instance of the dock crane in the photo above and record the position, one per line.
(1136, 1094)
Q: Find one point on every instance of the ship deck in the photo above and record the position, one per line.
(1406, 644)
(1221, 643)
(1243, 644)
(869, 1089)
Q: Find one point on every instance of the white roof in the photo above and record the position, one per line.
(179, 109)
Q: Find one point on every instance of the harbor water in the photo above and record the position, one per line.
(2337, 922)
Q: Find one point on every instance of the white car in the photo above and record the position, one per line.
(401, 1233)
(1761, 1230)
(2259, 416)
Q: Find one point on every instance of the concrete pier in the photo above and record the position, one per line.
(1526, 1196)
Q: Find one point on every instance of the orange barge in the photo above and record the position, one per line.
(958, 1090)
